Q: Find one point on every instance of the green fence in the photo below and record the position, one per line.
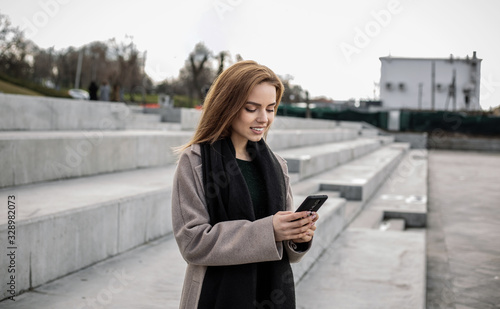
(378, 119)
(459, 122)
(470, 123)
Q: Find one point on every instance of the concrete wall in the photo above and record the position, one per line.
(465, 143)
(168, 114)
(54, 246)
(416, 140)
(19, 112)
(190, 118)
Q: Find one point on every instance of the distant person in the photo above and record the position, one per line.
(115, 93)
(93, 91)
(232, 202)
(104, 91)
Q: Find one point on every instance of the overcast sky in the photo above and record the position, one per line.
(330, 47)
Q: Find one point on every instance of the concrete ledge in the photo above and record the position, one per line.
(160, 126)
(350, 124)
(30, 157)
(328, 228)
(167, 114)
(279, 139)
(309, 161)
(190, 118)
(464, 143)
(144, 118)
(416, 140)
(62, 227)
(359, 179)
(21, 112)
(297, 123)
(404, 194)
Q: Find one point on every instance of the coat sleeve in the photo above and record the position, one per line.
(225, 243)
(294, 255)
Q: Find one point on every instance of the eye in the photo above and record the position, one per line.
(250, 110)
(270, 110)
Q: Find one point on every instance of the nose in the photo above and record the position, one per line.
(262, 117)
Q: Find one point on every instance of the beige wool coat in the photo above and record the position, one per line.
(226, 243)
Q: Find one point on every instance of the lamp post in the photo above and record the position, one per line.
(79, 68)
(308, 109)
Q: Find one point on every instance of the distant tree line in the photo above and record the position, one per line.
(121, 64)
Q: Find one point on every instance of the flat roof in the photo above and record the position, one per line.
(390, 58)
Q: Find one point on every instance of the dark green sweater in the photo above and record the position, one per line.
(256, 186)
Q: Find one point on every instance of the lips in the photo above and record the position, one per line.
(258, 130)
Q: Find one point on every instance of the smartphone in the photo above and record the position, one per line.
(312, 203)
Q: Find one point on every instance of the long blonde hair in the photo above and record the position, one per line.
(227, 96)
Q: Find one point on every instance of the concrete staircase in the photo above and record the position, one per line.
(93, 184)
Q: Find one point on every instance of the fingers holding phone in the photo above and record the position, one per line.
(311, 227)
(289, 225)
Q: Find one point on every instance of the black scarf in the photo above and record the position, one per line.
(255, 285)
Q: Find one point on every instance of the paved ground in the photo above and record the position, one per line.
(463, 232)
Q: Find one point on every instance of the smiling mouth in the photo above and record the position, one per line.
(258, 129)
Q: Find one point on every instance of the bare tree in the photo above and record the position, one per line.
(199, 71)
(293, 93)
(44, 65)
(128, 70)
(13, 50)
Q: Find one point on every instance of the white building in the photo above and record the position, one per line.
(408, 83)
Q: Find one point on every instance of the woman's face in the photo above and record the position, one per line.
(255, 118)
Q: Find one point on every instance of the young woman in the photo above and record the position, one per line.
(232, 203)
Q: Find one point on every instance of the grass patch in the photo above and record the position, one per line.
(184, 101)
(7, 87)
(150, 98)
(35, 87)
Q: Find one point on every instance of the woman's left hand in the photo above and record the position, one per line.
(310, 232)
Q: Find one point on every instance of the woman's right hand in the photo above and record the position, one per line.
(286, 228)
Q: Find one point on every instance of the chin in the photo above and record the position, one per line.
(256, 138)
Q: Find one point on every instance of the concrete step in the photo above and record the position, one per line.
(137, 109)
(359, 179)
(161, 126)
(350, 124)
(329, 226)
(190, 117)
(144, 118)
(368, 218)
(367, 268)
(296, 123)
(311, 160)
(381, 257)
(149, 276)
(99, 216)
(20, 112)
(29, 157)
(392, 224)
(404, 194)
(369, 133)
(305, 187)
(155, 269)
(279, 139)
(64, 226)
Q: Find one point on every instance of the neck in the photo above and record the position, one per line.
(240, 147)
